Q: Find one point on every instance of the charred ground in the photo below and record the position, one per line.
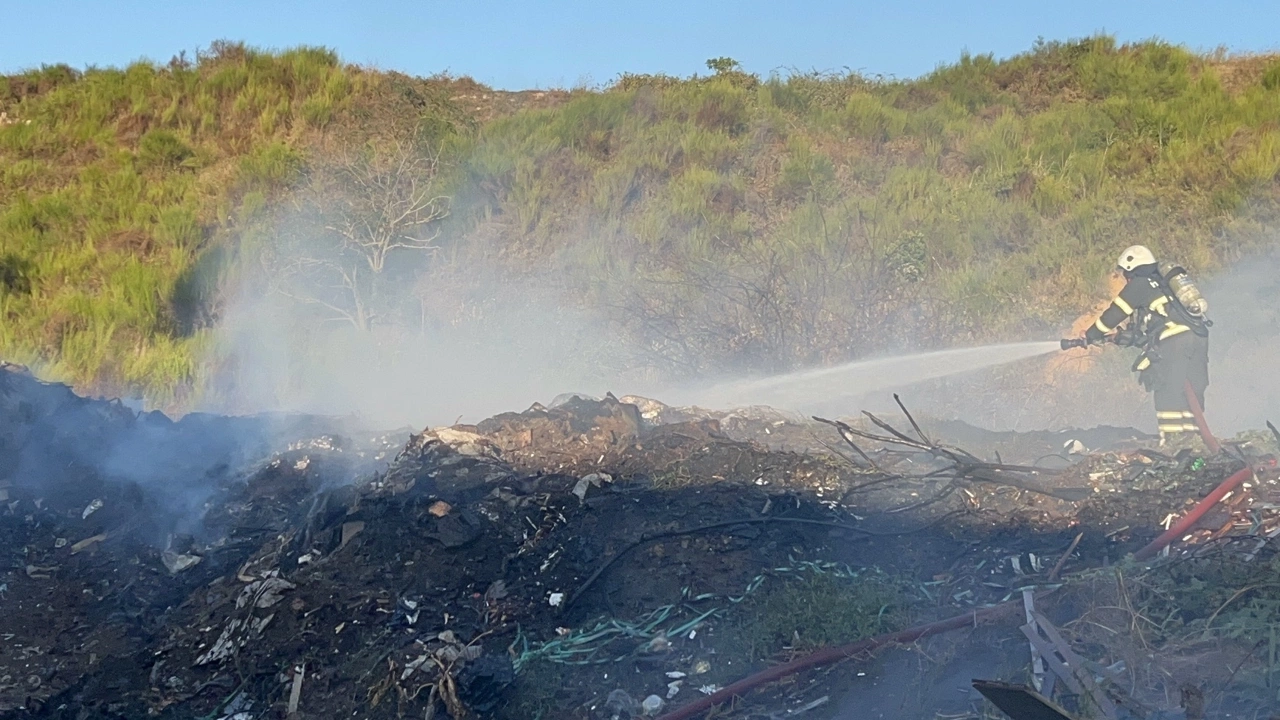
(561, 562)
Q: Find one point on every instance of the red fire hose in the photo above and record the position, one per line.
(1194, 516)
(1191, 518)
(1198, 412)
(835, 654)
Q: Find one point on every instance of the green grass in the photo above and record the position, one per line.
(767, 222)
(118, 184)
(811, 611)
(1009, 184)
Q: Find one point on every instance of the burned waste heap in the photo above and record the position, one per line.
(593, 559)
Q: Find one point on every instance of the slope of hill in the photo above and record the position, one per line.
(720, 222)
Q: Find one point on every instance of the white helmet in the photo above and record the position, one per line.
(1135, 256)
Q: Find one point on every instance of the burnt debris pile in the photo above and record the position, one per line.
(601, 558)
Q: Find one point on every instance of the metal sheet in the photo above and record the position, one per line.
(1020, 702)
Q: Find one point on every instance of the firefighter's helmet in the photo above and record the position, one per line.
(1135, 256)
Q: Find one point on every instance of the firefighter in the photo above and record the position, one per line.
(1167, 318)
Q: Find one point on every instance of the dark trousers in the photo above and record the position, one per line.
(1181, 360)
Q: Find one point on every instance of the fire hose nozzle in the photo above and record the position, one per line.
(1068, 343)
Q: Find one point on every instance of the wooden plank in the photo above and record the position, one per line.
(1050, 656)
(1077, 666)
(1037, 662)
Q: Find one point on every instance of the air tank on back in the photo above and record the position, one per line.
(1185, 289)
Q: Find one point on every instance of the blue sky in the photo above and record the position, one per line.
(558, 43)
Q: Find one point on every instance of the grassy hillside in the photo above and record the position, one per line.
(726, 221)
(123, 193)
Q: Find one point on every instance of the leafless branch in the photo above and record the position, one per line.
(366, 206)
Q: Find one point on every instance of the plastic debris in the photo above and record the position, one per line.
(295, 693)
(659, 644)
(264, 593)
(238, 708)
(234, 636)
(810, 706)
(673, 688)
(556, 599)
(349, 531)
(590, 481)
(652, 704)
(620, 704)
(36, 572)
(176, 562)
(90, 509)
(87, 543)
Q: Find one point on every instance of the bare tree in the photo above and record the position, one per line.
(354, 215)
(388, 203)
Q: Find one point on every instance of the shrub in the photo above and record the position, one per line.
(866, 116)
(1271, 78)
(163, 149)
(317, 110)
(270, 166)
(16, 274)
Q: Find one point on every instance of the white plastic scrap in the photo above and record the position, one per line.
(556, 599)
(709, 689)
(90, 509)
(411, 616)
(264, 593)
(651, 705)
(413, 665)
(176, 563)
(588, 481)
(815, 704)
(235, 636)
(673, 688)
(676, 675)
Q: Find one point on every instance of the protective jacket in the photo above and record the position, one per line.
(1175, 355)
(1145, 299)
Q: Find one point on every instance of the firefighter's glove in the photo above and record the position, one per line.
(1129, 338)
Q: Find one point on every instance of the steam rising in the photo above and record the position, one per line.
(530, 341)
(525, 347)
(1244, 387)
